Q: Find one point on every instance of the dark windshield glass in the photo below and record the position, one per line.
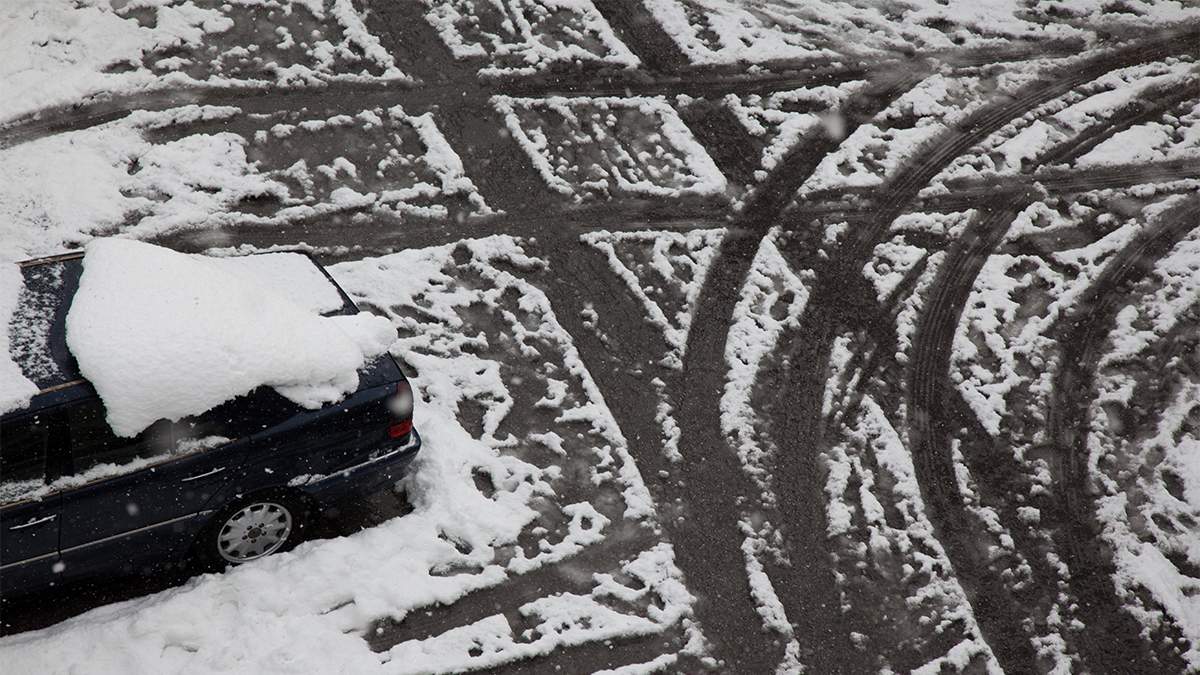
(243, 416)
(93, 444)
(23, 444)
(36, 332)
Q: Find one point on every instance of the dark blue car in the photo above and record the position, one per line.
(234, 484)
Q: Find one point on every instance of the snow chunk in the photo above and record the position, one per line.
(165, 335)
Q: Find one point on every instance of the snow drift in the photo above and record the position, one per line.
(162, 334)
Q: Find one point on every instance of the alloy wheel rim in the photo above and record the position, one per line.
(255, 531)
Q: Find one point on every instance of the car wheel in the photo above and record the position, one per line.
(251, 529)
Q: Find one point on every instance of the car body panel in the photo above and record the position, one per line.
(373, 474)
(29, 544)
(134, 517)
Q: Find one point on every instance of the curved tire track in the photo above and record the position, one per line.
(1151, 105)
(698, 510)
(1112, 634)
(811, 599)
(1114, 647)
(1000, 621)
(931, 422)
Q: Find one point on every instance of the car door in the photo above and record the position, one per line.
(139, 501)
(29, 512)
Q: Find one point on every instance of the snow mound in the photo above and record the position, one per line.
(162, 334)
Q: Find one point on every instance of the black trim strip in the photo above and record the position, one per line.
(51, 259)
(64, 385)
(106, 539)
(29, 560)
(129, 532)
(341, 473)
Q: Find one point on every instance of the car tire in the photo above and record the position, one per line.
(250, 529)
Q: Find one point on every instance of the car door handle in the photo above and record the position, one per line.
(206, 474)
(34, 521)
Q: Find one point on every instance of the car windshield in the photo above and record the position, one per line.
(37, 337)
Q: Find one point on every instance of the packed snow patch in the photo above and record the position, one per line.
(165, 335)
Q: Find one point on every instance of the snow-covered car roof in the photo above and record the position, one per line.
(37, 339)
(127, 335)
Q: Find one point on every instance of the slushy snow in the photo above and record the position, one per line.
(147, 322)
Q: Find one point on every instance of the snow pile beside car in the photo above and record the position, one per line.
(161, 334)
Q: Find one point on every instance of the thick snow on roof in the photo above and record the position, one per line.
(162, 334)
(291, 275)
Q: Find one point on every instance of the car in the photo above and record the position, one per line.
(237, 483)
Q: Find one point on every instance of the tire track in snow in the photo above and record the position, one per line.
(697, 514)
(634, 25)
(668, 80)
(103, 108)
(1112, 636)
(931, 421)
(967, 194)
(811, 601)
(802, 430)
(1149, 106)
(851, 203)
(936, 408)
(605, 556)
(606, 655)
(985, 121)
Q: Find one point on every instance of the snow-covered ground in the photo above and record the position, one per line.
(884, 456)
(780, 120)
(527, 36)
(56, 52)
(1143, 442)
(584, 146)
(728, 32)
(1085, 110)
(133, 175)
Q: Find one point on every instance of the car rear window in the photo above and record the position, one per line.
(97, 453)
(22, 458)
(93, 443)
(244, 416)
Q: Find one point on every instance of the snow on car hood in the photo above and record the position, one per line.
(162, 334)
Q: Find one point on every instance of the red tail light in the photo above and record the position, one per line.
(401, 407)
(400, 429)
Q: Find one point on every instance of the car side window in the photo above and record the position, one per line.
(96, 452)
(23, 449)
(243, 416)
